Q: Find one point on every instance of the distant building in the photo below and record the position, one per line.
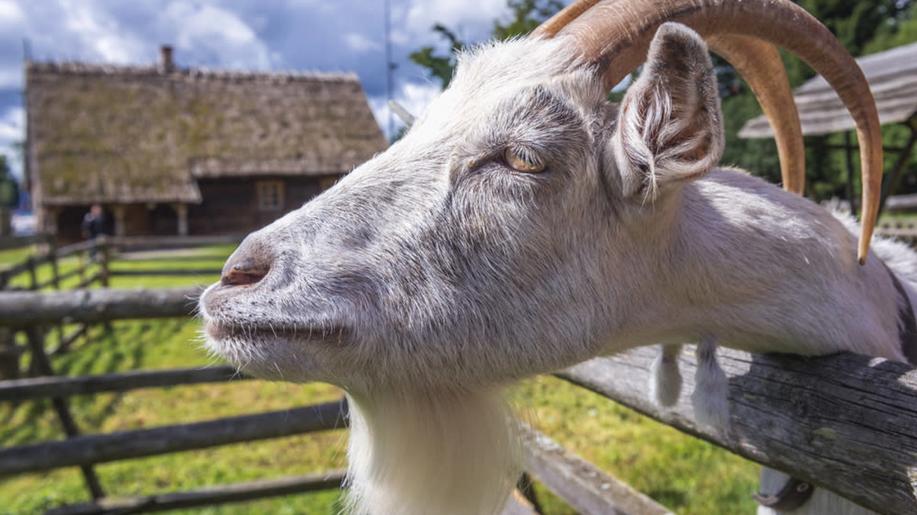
(174, 151)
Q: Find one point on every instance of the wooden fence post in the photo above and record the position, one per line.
(102, 251)
(9, 355)
(33, 276)
(43, 365)
(55, 282)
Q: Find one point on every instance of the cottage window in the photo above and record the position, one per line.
(270, 195)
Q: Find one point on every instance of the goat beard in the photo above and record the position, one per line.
(431, 452)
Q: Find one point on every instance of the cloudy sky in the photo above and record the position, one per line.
(340, 35)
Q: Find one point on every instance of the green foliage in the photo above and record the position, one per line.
(526, 15)
(865, 26)
(438, 65)
(896, 32)
(9, 188)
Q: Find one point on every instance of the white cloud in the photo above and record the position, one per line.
(457, 14)
(12, 132)
(218, 32)
(10, 14)
(98, 31)
(360, 43)
(414, 97)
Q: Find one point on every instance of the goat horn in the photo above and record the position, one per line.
(615, 37)
(759, 63)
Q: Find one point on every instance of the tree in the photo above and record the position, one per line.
(9, 188)
(526, 15)
(856, 25)
(864, 26)
(440, 66)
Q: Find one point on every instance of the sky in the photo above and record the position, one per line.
(303, 35)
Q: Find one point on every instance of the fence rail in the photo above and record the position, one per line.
(56, 386)
(91, 449)
(847, 423)
(26, 308)
(208, 496)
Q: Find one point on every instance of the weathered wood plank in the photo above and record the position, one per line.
(16, 242)
(845, 422)
(68, 339)
(95, 305)
(168, 439)
(582, 485)
(43, 365)
(57, 386)
(82, 246)
(210, 496)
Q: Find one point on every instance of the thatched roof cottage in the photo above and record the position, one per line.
(169, 150)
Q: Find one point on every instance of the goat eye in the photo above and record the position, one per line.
(521, 162)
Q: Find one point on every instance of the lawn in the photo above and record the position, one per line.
(685, 474)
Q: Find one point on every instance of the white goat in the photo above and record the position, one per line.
(524, 224)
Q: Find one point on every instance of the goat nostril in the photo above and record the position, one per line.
(242, 273)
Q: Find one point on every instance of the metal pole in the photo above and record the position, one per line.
(389, 66)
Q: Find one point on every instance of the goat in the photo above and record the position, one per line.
(525, 224)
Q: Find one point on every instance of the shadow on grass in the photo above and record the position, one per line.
(124, 348)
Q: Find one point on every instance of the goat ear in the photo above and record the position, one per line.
(670, 125)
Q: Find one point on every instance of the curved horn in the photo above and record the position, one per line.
(555, 23)
(759, 63)
(615, 37)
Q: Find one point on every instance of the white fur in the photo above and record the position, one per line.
(431, 453)
(665, 376)
(434, 274)
(711, 391)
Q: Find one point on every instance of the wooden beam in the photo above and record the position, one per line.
(43, 365)
(56, 386)
(68, 339)
(125, 445)
(76, 248)
(95, 305)
(846, 422)
(210, 496)
(16, 242)
(585, 487)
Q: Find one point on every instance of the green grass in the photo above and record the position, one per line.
(683, 473)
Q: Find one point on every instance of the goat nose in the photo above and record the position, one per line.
(242, 271)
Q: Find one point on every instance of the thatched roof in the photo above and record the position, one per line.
(892, 76)
(145, 134)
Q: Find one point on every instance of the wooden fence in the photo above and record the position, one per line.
(84, 265)
(97, 260)
(847, 423)
(582, 485)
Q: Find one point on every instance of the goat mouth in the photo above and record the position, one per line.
(229, 331)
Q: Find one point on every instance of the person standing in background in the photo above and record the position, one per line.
(93, 225)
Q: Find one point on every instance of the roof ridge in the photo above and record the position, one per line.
(80, 68)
